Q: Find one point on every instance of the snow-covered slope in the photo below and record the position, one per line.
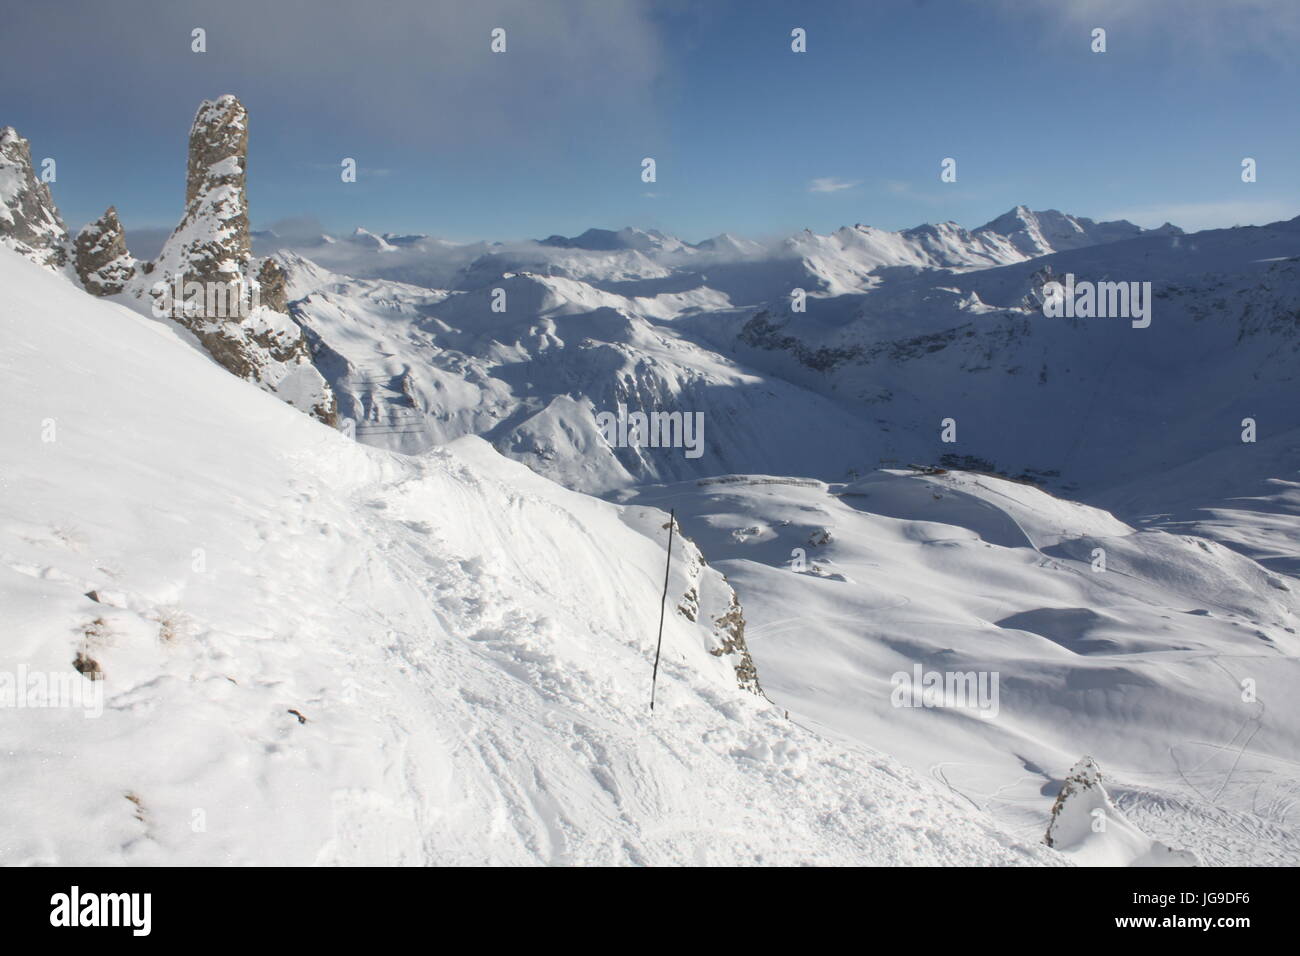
(1170, 658)
(313, 651)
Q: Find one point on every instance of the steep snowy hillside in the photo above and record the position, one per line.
(312, 651)
(1168, 657)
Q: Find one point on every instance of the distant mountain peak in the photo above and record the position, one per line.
(609, 240)
(1042, 232)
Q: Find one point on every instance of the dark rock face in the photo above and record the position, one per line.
(100, 255)
(29, 221)
(273, 286)
(207, 279)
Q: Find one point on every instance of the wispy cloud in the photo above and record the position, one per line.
(829, 184)
(1199, 26)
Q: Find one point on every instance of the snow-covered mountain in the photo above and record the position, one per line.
(431, 643)
(1082, 404)
(1042, 233)
(314, 651)
(648, 262)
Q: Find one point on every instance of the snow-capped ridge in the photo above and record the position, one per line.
(1045, 232)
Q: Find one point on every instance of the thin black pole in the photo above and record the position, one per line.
(654, 679)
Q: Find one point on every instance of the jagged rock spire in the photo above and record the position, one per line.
(29, 221)
(211, 243)
(206, 278)
(100, 255)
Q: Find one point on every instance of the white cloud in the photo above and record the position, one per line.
(829, 184)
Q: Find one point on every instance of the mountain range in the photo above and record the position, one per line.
(417, 538)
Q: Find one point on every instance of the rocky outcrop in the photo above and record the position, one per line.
(211, 243)
(1088, 827)
(1083, 777)
(710, 598)
(274, 284)
(29, 221)
(100, 256)
(207, 279)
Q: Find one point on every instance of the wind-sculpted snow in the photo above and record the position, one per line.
(1168, 657)
(314, 651)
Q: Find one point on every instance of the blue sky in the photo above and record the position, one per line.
(748, 136)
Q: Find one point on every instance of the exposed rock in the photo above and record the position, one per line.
(29, 221)
(207, 279)
(211, 243)
(730, 630)
(1083, 777)
(100, 255)
(87, 666)
(1088, 827)
(273, 283)
(709, 597)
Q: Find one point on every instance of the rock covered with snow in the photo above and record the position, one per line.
(212, 243)
(29, 221)
(1087, 826)
(238, 321)
(100, 256)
